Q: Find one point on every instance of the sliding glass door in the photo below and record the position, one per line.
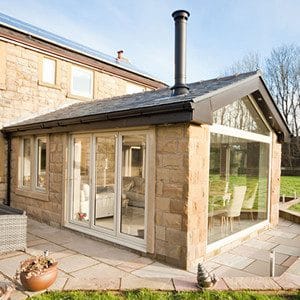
(108, 190)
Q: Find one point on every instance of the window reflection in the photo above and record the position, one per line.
(238, 185)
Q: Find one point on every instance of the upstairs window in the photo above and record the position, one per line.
(49, 71)
(81, 82)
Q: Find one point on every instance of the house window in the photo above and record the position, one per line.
(239, 170)
(33, 164)
(81, 82)
(49, 71)
(41, 157)
(26, 163)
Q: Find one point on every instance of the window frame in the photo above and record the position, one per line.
(33, 190)
(57, 72)
(247, 135)
(75, 94)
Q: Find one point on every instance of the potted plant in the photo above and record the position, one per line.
(37, 273)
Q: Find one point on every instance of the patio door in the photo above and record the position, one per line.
(109, 187)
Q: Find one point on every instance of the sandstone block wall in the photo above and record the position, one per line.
(44, 206)
(23, 96)
(275, 180)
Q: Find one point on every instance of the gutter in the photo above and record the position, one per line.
(166, 109)
(8, 171)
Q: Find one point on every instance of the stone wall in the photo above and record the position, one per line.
(181, 194)
(22, 95)
(43, 206)
(275, 180)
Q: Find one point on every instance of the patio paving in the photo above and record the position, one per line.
(85, 263)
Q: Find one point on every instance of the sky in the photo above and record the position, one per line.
(220, 32)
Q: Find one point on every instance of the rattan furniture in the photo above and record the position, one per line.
(13, 229)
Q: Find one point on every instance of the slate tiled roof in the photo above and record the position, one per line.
(26, 28)
(141, 101)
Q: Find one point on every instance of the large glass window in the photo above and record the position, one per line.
(81, 82)
(81, 177)
(133, 185)
(239, 170)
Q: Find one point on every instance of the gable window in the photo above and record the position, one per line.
(33, 164)
(81, 82)
(49, 71)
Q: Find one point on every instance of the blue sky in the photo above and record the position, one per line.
(219, 31)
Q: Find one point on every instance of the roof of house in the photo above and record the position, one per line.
(47, 36)
(161, 107)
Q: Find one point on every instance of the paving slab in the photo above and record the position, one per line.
(9, 265)
(285, 241)
(99, 271)
(159, 270)
(40, 248)
(251, 283)
(61, 254)
(259, 254)
(133, 282)
(295, 251)
(75, 262)
(228, 271)
(135, 264)
(17, 295)
(210, 265)
(292, 229)
(233, 260)
(185, 284)
(220, 285)
(281, 233)
(262, 268)
(287, 282)
(256, 243)
(289, 261)
(58, 285)
(36, 241)
(10, 254)
(294, 268)
(284, 223)
(92, 284)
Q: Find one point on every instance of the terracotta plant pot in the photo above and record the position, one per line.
(41, 281)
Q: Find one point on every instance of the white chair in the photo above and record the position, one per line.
(235, 206)
(248, 203)
(85, 200)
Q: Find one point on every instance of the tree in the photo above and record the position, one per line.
(250, 62)
(283, 79)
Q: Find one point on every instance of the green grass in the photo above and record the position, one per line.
(290, 184)
(153, 295)
(295, 207)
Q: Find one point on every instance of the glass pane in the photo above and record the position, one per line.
(26, 174)
(81, 179)
(133, 185)
(105, 182)
(81, 82)
(241, 114)
(49, 66)
(238, 185)
(41, 163)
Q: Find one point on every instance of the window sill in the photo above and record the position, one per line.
(49, 85)
(82, 98)
(39, 195)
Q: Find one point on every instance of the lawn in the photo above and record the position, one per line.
(152, 295)
(295, 207)
(289, 185)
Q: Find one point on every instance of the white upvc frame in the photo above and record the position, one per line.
(33, 164)
(90, 228)
(91, 85)
(267, 139)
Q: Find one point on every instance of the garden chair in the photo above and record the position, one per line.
(248, 203)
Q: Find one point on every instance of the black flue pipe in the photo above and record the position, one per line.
(180, 18)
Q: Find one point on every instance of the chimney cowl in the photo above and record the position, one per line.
(180, 18)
